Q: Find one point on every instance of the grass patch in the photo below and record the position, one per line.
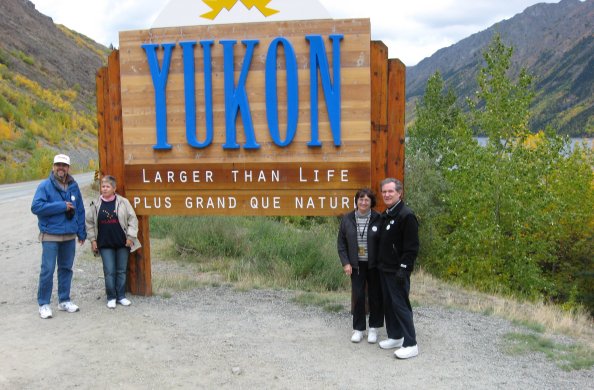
(428, 290)
(258, 251)
(175, 282)
(567, 357)
(329, 302)
(534, 326)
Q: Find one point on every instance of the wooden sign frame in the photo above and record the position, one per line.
(387, 139)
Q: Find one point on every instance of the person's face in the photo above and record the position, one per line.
(61, 170)
(107, 189)
(390, 195)
(363, 204)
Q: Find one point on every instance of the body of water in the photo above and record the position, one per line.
(574, 141)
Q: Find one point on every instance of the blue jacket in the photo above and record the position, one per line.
(49, 204)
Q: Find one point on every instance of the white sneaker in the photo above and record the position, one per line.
(124, 302)
(45, 311)
(391, 343)
(111, 303)
(372, 336)
(68, 306)
(407, 352)
(357, 336)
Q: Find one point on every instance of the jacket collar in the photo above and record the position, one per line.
(392, 212)
(58, 184)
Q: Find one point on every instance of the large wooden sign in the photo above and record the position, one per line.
(278, 118)
(247, 119)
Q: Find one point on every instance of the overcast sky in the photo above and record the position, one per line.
(412, 29)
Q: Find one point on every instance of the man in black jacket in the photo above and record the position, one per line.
(398, 249)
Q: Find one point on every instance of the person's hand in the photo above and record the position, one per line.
(129, 243)
(81, 242)
(94, 246)
(69, 206)
(347, 269)
(401, 274)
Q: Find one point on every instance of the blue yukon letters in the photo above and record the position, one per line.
(236, 95)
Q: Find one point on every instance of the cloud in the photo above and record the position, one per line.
(412, 30)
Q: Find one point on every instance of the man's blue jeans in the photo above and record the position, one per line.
(61, 252)
(115, 263)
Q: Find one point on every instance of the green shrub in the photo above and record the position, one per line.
(24, 57)
(515, 216)
(260, 248)
(4, 57)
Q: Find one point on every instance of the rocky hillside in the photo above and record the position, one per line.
(47, 91)
(555, 42)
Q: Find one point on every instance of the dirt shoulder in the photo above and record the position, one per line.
(217, 337)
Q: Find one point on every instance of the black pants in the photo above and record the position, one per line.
(376, 310)
(399, 315)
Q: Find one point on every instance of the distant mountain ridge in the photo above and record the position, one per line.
(555, 42)
(47, 92)
(63, 58)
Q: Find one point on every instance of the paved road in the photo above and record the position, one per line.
(27, 188)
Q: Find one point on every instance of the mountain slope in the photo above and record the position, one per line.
(47, 92)
(555, 42)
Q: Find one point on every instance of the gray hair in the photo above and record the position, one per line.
(109, 179)
(397, 183)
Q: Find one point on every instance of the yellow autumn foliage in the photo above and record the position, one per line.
(5, 130)
(533, 140)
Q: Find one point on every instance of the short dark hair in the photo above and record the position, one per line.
(366, 192)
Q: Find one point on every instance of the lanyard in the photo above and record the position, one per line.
(362, 231)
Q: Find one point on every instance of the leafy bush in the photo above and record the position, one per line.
(515, 216)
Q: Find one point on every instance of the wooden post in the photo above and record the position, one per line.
(379, 115)
(139, 264)
(396, 111)
(102, 117)
(111, 161)
(387, 117)
(115, 136)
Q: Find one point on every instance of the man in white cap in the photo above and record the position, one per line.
(60, 212)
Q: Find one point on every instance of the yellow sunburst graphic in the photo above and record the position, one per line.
(217, 6)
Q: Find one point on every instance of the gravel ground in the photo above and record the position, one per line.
(217, 337)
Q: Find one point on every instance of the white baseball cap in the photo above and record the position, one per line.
(61, 158)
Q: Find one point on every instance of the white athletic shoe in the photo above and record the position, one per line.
(45, 311)
(391, 343)
(111, 303)
(68, 306)
(372, 336)
(357, 336)
(407, 352)
(124, 302)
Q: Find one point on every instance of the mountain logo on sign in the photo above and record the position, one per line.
(218, 5)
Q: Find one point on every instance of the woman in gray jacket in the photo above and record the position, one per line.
(357, 250)
(112, 229)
